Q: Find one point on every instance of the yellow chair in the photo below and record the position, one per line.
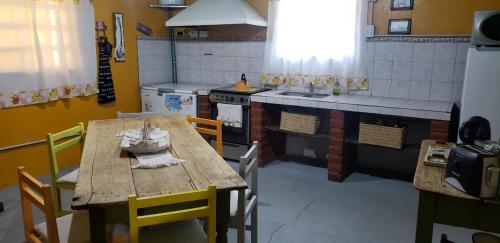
(217, 132)
(68, 181)
(244, 203)
(69, 228)
(177, 226)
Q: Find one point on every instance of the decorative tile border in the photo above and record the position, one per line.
(384, 38)
(420, 39)
(186, 38)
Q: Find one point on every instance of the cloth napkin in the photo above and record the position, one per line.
(230, 115)
(157, 160)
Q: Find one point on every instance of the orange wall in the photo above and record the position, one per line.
(434, 17)
(28, 123)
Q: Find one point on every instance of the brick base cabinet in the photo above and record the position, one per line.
(440, 130)
(203, 106)
(271, 144)
(336, 146)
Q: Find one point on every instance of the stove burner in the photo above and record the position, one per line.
(231, 95)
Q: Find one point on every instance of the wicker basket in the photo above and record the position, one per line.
(391, 137)
(299, 123)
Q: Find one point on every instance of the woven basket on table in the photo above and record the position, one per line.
(299, 123)
(392, 137)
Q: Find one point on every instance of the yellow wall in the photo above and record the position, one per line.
(23, 124)
(434, 17)
(28, 123)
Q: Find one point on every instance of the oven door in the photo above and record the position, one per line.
(234, 134)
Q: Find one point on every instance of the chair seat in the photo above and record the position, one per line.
(178, 232)
(234, 201)
(72, 228)
(69, 178)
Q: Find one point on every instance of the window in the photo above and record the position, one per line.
(316, 41)
(320, 29)
(47, 51)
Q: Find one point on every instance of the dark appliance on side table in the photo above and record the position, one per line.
(470, 168)
(236, 141)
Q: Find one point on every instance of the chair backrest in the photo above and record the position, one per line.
(249, 164)
(34, 192)
(122, 115)
(208, 211)
(77, 135)
(217, 132)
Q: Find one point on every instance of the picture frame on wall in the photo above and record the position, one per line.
(398, 5)
(119, 50)
(399, 27)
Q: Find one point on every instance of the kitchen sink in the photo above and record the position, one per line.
(316, 95)
(302, 94)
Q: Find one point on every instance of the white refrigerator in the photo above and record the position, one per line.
(169, 99)
(481, 90)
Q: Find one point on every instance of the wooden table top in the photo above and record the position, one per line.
(105, 176)
(430, 178)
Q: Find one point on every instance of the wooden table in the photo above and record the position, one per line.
(105, 179)
(439, 202)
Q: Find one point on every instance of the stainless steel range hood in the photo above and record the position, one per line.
(217, 12)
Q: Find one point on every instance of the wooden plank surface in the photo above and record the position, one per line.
(105, 176)
(429, 178)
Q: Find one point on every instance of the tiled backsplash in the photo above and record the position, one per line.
(426, 70)
(219, 62)
(154, 61)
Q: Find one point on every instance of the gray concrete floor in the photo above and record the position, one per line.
(298, 204)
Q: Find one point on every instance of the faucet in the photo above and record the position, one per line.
(311, 88)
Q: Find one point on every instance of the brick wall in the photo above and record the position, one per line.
(203, 106)
(336, 146)
(439, 130)
(271, 144)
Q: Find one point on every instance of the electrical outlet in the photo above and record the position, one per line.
(370, 30)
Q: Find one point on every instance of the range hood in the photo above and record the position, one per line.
(217, 12)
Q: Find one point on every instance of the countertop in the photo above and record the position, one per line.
(436, 110)
(188, 88)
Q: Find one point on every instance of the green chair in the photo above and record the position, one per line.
(70, 137)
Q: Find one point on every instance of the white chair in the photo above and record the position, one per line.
(122, 115)
(244, 203)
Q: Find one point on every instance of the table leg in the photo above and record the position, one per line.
(97, 224)
(425, 218)
(222, 216)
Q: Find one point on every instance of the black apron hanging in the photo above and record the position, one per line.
(105, 84)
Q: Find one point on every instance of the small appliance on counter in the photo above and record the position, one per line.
(473, 170)
(486, 30)
(476, 128)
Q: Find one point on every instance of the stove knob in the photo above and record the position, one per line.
(227, 98)
(231, 99)
(242, 100)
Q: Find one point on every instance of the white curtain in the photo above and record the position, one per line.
(316, 41)
(47, 51)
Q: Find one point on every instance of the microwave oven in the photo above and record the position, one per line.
(486, 29)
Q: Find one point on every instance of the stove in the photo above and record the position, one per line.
(231, 95)
(236, 141)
